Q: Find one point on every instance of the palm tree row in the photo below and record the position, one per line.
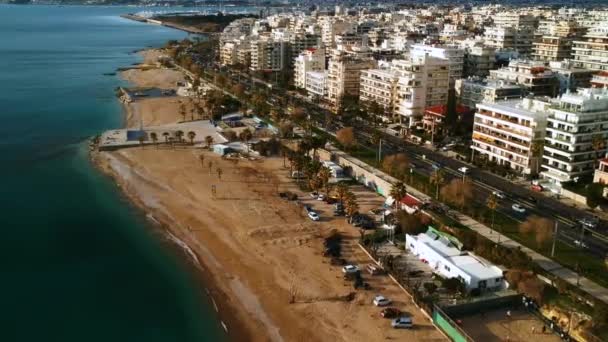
(169, 139)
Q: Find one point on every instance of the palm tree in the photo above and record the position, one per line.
(398, 191)
(210, 165)
(324, 175)
(437, 178)
(180, 135)
(182, 110)
(154, 138)
(209, 141)
(202, 159)
(537, 150)
(341, 191)
(219, 173)
(191, 136)
(245, 136)
(351, 206)
(492, 203)
(141, 139)
(166, 135)
(598, 142)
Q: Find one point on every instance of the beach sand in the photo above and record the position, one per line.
(260, 250)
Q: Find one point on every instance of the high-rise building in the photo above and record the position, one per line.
(510, 38)
(310, 60)
(269, 54)
(344, 73)
(556, 43)
(453, 54)
(592, 52)
(577, 122)
(505, 132)
(472, 91)
(535, 77)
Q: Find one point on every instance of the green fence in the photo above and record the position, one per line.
(449, 327)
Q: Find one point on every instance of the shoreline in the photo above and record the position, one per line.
(226, 313)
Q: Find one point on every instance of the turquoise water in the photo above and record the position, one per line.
(78, 262)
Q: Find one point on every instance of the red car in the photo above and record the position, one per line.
(390, 313)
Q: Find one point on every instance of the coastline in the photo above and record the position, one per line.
(253, 250)
(226, 311)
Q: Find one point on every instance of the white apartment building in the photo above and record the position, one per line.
(533, 75)
(510, 38)
(575, 121)
(228, 53)
(453, 54)
(600, 80)
(514, 19)
(505, 131)
(556, 42)
(316, 83)
(478, 61)
(592, 52)
(570, 77)
(423, 82)
(310, 60)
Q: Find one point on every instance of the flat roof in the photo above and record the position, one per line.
(474, 267)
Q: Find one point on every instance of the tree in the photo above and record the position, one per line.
(398, 191)
(413, 224)
(166, 135)
(285, 129)
(351, 206)
(341, 190)
(430, 287)
(298, 115)
(182, 110)
(180, 135)
(595, 195)
(209, 141)
(141, 139)
(537, 152)
(210, 165)
(541, 227)
(191, 136)
(598, 143)
(154, 138)
(492, 203)
(346, 137)
(454, 285)
(238, 90)
(396, 165)
(245, 136)
(219, 173)
(458, 193)
(437, 178)
(324, 175)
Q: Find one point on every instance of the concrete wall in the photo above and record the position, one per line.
(363, 173)
(574, 196)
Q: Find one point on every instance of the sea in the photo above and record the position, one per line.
(77, 261)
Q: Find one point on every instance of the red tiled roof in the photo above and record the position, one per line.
(442, 110)
(410, 201)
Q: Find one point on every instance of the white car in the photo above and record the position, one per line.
(464, 169)
(580, 244)
(381, 301)
(314, 194)
(313, 216)
(350, 269)
(321, 197)
(518, 208)
(499, 194)
(403, 322)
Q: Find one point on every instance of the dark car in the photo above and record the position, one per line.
(390, 313)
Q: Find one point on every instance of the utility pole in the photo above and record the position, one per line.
(554, 239)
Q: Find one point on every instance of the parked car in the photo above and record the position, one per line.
(360, 284)
(314, 194)
(518, 208)
(499, 194)
(320, 197)
(589, 222)
(581, 244)
(381, 301)
(350, 269)
(390, 313)
(313, 216)
(403, 322)
(463, 169)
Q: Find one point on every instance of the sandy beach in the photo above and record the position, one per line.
(260, 251)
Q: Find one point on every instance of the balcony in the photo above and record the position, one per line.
(505, 139)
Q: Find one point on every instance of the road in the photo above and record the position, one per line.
(570, 231)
